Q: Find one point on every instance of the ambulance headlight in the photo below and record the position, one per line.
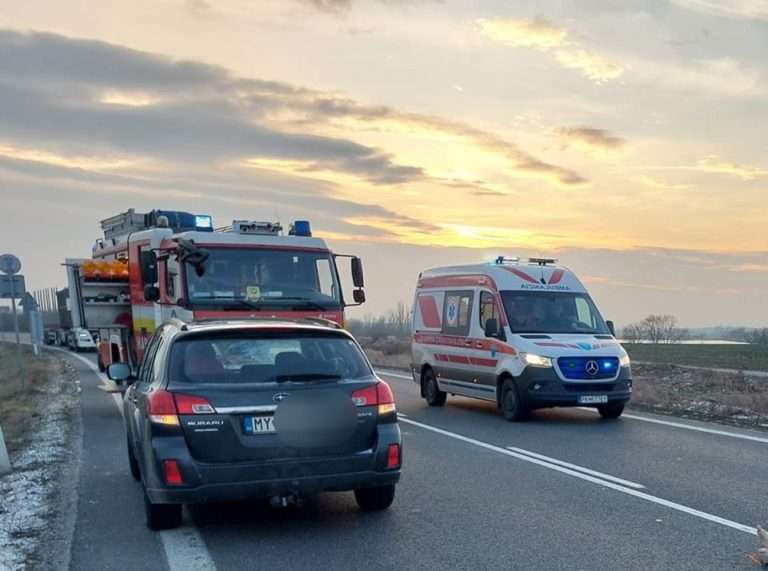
(624, 360)
(535, 360)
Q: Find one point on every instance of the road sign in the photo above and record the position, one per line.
(12, 287)
(10, 264)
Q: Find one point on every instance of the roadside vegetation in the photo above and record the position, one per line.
(740, 357)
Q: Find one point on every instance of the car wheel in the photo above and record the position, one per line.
(375, 499)
(611, 411)
(511, 406)
(161, 516)
(432, 393)
(132, 462)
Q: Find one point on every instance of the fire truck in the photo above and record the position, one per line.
(152, 267)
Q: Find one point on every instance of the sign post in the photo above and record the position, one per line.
(10, 265)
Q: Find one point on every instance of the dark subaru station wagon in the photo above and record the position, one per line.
(257, 409)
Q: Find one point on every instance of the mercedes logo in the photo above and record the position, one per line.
(592, 368)
(279, 397)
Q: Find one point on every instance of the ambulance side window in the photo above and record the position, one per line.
(457, 311)
(584, 312)
(488, 309)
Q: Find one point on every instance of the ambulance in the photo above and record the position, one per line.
(523, 334)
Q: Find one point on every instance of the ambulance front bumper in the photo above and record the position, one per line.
(542, 388)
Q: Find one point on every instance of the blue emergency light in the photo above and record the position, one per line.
(302, 228)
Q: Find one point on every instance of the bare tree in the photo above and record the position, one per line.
(656, 329)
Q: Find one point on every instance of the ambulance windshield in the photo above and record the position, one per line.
(552, 312)
(258, 277)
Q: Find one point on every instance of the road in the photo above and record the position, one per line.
(477, 493)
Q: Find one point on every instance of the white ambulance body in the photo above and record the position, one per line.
(522, 334)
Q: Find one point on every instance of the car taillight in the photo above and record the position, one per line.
(386, 398)
(162, 408)
(379, 394)
(393, 456)
(189, 404)
(172, 473)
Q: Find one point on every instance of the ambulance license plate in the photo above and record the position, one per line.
(593, 399)
(259, 424)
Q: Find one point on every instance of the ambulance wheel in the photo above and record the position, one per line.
(432, 393)
(511, 407)
(611, 411)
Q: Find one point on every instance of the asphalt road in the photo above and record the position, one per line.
(658, 496)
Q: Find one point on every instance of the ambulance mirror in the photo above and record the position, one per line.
(148, 268)
(357, 272)
(359, 296)
(611, 327)
(491, 327)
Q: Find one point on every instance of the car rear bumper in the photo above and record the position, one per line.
(267, 488)
(541, 388)
(205, 482)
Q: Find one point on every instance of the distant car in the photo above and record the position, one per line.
(51, 338)
(80, 340)
(300, 411)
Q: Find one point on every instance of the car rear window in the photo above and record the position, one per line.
(266, 358)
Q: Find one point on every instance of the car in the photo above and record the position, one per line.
(523, 334)
(80, 340)
(303, 412)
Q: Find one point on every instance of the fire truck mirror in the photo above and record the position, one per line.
(148, 268)
(151, 293)
(357, 272)
(359, 296)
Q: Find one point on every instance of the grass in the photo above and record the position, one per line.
(742, 357)
(21, 396)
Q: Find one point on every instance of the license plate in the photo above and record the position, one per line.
(593, 399)
(259, 424)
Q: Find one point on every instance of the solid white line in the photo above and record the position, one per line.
(185, 549)
(396, 375)
(578, 468)
(673, 424)
(623, 489)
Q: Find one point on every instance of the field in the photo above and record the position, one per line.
(741, 357)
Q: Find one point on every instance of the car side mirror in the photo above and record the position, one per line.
(611, 327)
(357, 272)
(151, 293)
(492, 327)
(118, 372)
(148, 268)
(359, 296)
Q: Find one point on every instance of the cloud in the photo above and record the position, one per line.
(713, 164)
(749, 9)
(659, 184)
(343, 5)
(720, 77)
(591, 65)
(538, 34)
(198, 7)
(82, 93)
(543, 36)
(597, 142)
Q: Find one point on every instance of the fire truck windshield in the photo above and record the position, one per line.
(259, 277)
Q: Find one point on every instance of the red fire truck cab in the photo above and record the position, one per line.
(179, 266)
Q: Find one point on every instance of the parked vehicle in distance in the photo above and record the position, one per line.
(522, 334)
(299, 411)
(79, 339)
(51, 338)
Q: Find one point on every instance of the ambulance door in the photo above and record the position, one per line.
(453, 356)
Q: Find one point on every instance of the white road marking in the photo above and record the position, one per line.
(185, 549)
(674, 424)
(606, 484)
(595, 473)
(396, 375)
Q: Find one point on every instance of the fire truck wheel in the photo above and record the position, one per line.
(432, 393)
(511, 407)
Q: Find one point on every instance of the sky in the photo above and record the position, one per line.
(625, 139)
